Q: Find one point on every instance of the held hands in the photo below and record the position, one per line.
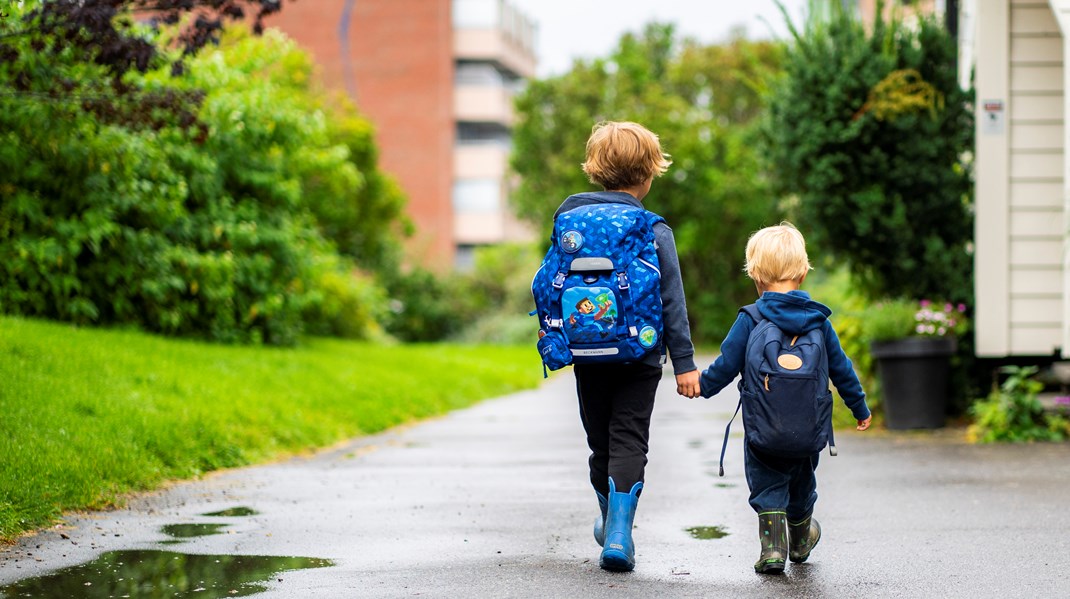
(864, 424)
(687, 384)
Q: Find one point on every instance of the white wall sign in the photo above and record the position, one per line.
(993, 117)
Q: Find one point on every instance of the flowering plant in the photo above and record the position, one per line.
(939, 320)
(897, 319)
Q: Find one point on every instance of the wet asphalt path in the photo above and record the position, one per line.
(493, 501)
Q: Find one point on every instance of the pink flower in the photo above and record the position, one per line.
(925, 303)
(962, 308)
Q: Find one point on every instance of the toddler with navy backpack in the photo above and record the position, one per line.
(610, 300)
(786, 351)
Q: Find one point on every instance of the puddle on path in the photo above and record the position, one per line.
(188, 531)
(153, 573)
(234, 512)
(705, 533)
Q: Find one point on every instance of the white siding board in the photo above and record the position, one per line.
(1031, 165)
(1036, 253)
(1037, 281)
(1037, 79)
(1035, 341)
(1036, 50)
(1037, 194)
(1032, 20)
(1032, 106)
(1034, 223)
(1048, 136)
(1036, 311)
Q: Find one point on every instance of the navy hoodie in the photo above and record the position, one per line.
(673, 307)
(795, 313)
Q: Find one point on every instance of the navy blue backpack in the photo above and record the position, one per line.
(784, 392)
(598, 291)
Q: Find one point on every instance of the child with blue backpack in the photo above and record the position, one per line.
(786, 350)
(610, 300)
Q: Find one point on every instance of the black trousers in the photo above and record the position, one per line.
(616, 401)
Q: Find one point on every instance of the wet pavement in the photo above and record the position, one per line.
(493, 501)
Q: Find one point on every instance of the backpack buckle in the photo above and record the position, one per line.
(559, 280)
(622, 280)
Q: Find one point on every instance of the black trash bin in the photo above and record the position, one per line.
(913, 374)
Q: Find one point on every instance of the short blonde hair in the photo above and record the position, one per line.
(622, 155)
(776, 254)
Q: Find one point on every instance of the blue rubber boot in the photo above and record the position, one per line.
(600, 522)
(618, 553)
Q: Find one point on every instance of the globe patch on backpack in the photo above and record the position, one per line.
(598, 291)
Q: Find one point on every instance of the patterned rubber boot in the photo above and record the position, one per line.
(773, 532)
(600, 522)
(802, 537)
(618, 553)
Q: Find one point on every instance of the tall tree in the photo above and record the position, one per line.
(870, 133)
(702, 101)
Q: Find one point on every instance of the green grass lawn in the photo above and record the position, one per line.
(89, 415)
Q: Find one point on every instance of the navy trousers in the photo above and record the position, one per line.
(778, 483)
(616, 401)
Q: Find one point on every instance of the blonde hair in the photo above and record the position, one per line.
(776, 254)
(622, 155)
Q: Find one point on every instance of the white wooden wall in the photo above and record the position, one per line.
(1021, 230)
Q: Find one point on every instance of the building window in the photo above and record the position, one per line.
(479, 133)
(471, 196)
(478, 73)
(464, 259)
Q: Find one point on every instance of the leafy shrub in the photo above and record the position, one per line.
(346, 303)
(870, 133)
(206, 229)
(1013, 413)
(425, 307)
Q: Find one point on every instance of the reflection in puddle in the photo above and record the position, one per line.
(162, 574)
(234, 512)
(188, 531)
(706, 533)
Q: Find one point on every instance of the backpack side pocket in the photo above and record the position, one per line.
(553, 347)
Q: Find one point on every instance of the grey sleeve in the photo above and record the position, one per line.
(674, 306)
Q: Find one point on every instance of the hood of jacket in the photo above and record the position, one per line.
(794, 312)
(597, 197)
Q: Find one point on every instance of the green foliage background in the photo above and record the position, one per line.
(871, 135)
(236, 211)
(703, 102)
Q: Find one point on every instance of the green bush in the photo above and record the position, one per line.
(870, 136)
(205, 229)
(1013, 413)
(889, 320)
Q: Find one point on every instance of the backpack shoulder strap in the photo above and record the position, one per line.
(752, 311)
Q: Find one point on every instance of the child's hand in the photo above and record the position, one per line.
(864, 424)
(687, 384)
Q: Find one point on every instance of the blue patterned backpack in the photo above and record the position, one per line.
(598, 291)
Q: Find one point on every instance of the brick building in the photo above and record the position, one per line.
(437, 78)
